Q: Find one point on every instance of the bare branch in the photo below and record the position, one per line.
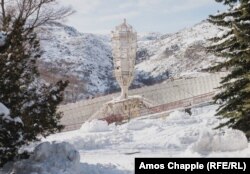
(34, 12)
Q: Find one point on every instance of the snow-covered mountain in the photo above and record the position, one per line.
(86, 59)
(178, 53)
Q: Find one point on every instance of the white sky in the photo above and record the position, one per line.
(165, 16)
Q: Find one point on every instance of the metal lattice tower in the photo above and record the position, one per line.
(124, 44)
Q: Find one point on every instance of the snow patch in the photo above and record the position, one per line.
(55, 158)
(178, 115)
(230, 140)
(228, 19)
(245, 22)
(4, 110)
(5, 114)
(138, 125)
(95, 126)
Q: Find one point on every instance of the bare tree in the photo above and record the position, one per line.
(33, 13)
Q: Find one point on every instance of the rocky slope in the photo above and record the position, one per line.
(86, 59)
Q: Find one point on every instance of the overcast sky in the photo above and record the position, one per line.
(165, 16)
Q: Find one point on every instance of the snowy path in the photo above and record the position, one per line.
(113, 148)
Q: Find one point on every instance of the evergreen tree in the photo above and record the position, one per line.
(234, 45)
(32, 103)
(9, 140)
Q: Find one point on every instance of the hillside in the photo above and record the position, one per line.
(86, 60)
(178, 53)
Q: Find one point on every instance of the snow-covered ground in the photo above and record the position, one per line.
(111, 149)
(99, 148)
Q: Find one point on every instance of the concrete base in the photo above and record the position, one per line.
(118, 110)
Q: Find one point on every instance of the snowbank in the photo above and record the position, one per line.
(178, 115)
(176, 135)
(58, 158)
(230, 140)
(100, 140)
(55, 158)
(95, 126)
(180, 118)
(91, 142)
(138, 125)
